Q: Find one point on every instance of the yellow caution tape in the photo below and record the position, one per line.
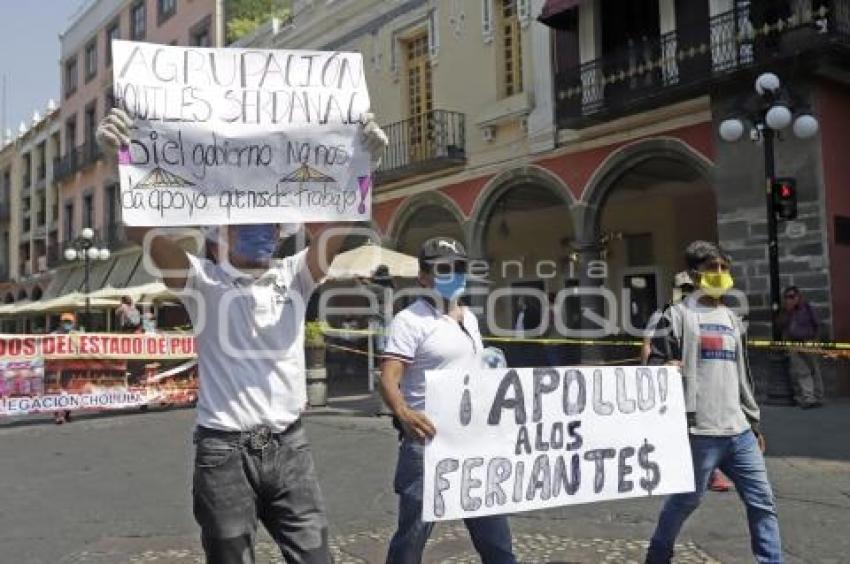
(822, 347)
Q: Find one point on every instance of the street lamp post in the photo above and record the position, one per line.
(83, 248)
(772, 114)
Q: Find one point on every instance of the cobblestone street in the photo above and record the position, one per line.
(116, 489)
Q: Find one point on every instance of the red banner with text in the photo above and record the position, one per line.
(69, 372)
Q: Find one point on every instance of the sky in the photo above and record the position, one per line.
(29, 44)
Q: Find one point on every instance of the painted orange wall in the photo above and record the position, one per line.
(575, 169)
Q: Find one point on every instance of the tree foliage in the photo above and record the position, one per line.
(244, 16)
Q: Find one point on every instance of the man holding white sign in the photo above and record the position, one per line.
(707, 340)
(252, 459)
(233, 136)
(534, 438)
(435, 332)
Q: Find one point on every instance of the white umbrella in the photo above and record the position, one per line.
(153, 291)
(68, 302)
(362, 262)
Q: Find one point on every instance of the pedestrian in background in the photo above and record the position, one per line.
(127, 316)
(800, 324)
(67, 325)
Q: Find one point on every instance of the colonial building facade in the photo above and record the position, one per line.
(549, 150)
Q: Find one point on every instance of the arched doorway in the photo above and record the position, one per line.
(650, 205)
(424, 217)
(524, 230)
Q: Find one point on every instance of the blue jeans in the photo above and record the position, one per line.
(741, 460)
(490, 535)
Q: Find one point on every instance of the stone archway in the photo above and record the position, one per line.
(424, 216)
(523, 228)
(604, 179)
(644, 204)
(488, 199)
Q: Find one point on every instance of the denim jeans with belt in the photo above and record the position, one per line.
(241, 478)
(490, 535)
(739, 458)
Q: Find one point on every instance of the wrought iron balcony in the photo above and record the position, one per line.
(424, 143)
(76, 159)
(66, 166)
(682, 63)
(90, 152)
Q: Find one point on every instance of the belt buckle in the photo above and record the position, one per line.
(260, 437)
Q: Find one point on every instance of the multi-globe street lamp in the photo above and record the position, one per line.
(770, 112)
(84, 248)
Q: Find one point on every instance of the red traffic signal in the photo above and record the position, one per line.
(785, 198)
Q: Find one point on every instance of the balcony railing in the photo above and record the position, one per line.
(66, 166)
(76, 159)
(424, 143)
(90, 152)
(685, 61)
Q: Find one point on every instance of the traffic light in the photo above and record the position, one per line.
(785, 198)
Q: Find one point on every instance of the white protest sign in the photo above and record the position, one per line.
(511, 440)
(227, 136)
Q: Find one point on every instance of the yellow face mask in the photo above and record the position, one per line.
(716, 284)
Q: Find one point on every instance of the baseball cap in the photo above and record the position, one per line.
(443, 249)
(381, 273)
(682, 279)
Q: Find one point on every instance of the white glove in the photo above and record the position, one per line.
(374, 138)
(113, 131)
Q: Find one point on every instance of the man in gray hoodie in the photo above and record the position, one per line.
(706, 340)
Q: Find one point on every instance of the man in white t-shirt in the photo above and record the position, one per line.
(434, 332)
(252, 458)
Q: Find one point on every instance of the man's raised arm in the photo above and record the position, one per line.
(165, 253)
(113, 132)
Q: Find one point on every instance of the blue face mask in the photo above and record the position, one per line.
(450, 286)
(68, 326)
(256, 243)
